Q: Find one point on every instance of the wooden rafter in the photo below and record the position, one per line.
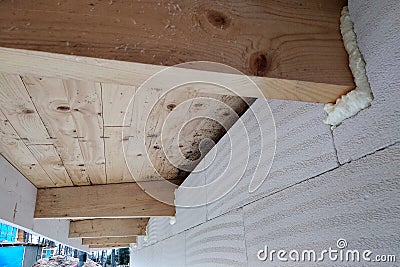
(108, 228)
(109, 246)
(287, 39)
(23, 62)
(109, 240)
(103, 201)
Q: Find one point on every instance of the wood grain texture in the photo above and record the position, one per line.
(116, 167)
(154, 130)
(86, 109)
(109, 240)
(108, 228)
(20, 111)
(136, 154)
(73, 112)
(16, 152)
(110, 246)
(102, 201)
(50, 161)
(171, 139)
(297, 40)
(196, 129)
(116, 99)
(23, 62)
(51, 101)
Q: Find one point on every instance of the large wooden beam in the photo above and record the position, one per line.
(24, 62)
(287, 39)
(103, 201)
(110, 246)
(109, 240)
(108, 228)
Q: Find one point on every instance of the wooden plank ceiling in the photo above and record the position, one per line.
(64, 131)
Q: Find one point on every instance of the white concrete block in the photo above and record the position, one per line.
(358, 201)
(172, 251)
(139, 243)
(158, 229)
(377, 25)
(18, 198)
(17, 195)
(58, 230)
(219, 242)
(304, 149)
(188, 217)
(167, 253)
(144, 257)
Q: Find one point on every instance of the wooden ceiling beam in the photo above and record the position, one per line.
(287, 39)
(24, 62)
(99, 228)
(109, 246)
(109, 240)
(104, 201)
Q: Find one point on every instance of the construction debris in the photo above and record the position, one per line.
(63, 261)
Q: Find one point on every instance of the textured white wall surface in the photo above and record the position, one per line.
(377, 25)
(323, 185)
(357, 202)
(304, 148)
(17, 205)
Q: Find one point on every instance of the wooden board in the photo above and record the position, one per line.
(162, 138)
(117, 169)
(22, 62)
(135, 152)
(110, 246)
(51, 101)
(15, 151)
(102, 201)
(108, 227)
(51, 163)
(17, 106)
(86, 109)
(109, 240)
(289, 39)
(116, 99)
(173, 144)
(18, 109)
(182, 136)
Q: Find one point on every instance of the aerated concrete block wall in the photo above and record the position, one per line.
(17, 206)
(324, 185)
